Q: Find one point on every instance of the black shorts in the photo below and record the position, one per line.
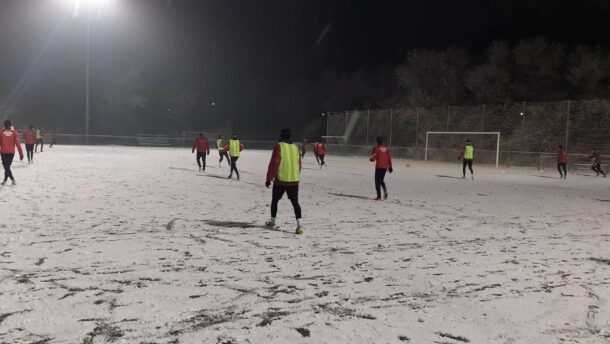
(29, 147)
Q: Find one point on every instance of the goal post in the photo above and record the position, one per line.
(496, 133)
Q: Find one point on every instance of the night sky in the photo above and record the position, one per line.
(256, 60)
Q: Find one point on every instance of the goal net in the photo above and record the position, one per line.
(443, 144)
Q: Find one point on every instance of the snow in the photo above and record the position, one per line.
(134, 245)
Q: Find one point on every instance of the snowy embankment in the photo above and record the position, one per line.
(133, 245)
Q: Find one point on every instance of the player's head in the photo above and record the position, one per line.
(200, 134)
(467, 141)
(234, 136)
(304, 140)
(220, 136)
(560, 146)
(31, 127)
(8, 124)
(379, 140)
(285, 134)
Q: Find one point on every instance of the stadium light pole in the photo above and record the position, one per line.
(89, 4)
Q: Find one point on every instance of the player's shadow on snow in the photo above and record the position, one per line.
(233, 224)
(547, 177)
(451, 177)
(348, 196)
(182, 169)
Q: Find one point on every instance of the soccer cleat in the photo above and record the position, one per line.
(4, 183)
(378, 199)
(14, 182)
(385, 195)
(299, 230)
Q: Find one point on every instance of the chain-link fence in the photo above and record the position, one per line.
(530, 132)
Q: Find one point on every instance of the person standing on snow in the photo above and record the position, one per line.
(9, 139)
(29, 136)
(285, 172)
(383, 163)
(303, 148)
(222, 152)
(39, 140)
(203, 146)
(321, 149)
(562, 162)
(468, 154)
(597, 163)
(234, 147)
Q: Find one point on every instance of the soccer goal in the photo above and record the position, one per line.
(466, 133)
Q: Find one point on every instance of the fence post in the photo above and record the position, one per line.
(345, 129)
(327, 118)
(368, 119)
(183, 138)
(567, 139)
(391, 124)
(483, 118)
(447, 125)
(416, 126)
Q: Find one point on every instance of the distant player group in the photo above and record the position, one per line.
(9, 142)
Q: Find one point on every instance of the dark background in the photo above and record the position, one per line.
(157, 65)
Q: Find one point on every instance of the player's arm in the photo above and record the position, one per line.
(18, 144)
(274, 164)
(241, 147)
(373, 155)
(462, 153)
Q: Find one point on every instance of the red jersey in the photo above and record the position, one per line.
(30, 137)
(9, 139)
(562, 156)
(321, 148)
(382, 157)
(274, 165)
(202, 145)
(304, 145)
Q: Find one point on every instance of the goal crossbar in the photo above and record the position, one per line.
(497, 133)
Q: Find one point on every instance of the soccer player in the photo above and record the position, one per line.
(321, 151)
(9, 139)
(468, 154)
(597, 163)
(383, 163)
(203, 146)
(284, 171)
(234, 147)
(303, 148)
(39, 139)
(29, 136)
(222, 152)
(562, 162)
(315, 152)
(53, 139)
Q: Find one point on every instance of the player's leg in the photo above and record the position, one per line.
(382, 182)
(293, 196)
(41, 145)
(322, 163)
(317, 158)
(559, 170)
(198, 160)
(378, 183)
(595, 169)
(276, 194)
(470, 167)
(203, 157)
(5, 166)
(464, 164)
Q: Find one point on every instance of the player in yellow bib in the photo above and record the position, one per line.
(285, 172)
(468, 156)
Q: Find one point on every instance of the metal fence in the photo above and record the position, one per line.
(530, 132)
(149, 140)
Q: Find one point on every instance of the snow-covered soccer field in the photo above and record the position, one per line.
(133, 245)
